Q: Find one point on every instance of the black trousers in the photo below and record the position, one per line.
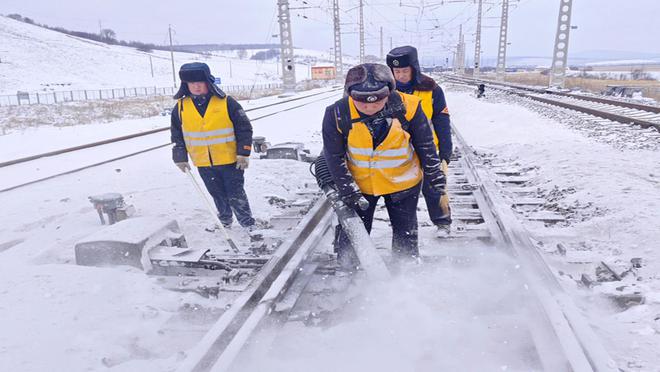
(402, 210)
(225, 183)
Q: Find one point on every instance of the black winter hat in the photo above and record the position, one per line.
(369, 82)
(196, 72)
(405, 56)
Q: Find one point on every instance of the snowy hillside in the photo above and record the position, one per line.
(35, 58)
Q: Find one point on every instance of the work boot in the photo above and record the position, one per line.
(443, 231)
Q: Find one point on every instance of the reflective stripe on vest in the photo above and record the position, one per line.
(427, 106)
(393, 165)
(210, 139)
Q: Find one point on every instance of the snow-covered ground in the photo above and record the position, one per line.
(610, 189)
(38, 59)
(56, 315)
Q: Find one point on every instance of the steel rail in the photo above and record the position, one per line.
(580, 347)
(226, 337)
(144, 150)
(141, 134)
(609, 101)
(523, 92)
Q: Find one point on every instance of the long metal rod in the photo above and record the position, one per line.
(211, 208)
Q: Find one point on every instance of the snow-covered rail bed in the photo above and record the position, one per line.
(625, 112)
(41, 166)
(483, 299)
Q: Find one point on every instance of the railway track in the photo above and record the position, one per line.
(20, 172)
(301, 278)
(645, 116)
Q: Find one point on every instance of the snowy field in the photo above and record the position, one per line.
(62, 62)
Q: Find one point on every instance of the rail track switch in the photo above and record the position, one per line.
(129, 242)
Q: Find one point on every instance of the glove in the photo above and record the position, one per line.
(242, 162)
(183, 166)
(356, 200)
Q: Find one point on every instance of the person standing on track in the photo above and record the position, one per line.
(377, 142)
(212, 129)
(409, 79)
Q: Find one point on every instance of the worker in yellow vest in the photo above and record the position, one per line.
(377, 143)
(213, 130)
(409, 79)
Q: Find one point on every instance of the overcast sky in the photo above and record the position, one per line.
(630, 25)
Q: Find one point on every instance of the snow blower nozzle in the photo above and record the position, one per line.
(357, 234)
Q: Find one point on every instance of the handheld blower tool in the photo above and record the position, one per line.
(212, 210)
(444, 200)
(352, 224)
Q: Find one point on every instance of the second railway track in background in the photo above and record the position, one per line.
(294, 282)
(646, 116)
(118, 154)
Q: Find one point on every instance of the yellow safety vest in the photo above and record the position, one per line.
(209, 139)
(427, 106)
(393, 166)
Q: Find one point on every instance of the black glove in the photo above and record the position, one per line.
(356, 200)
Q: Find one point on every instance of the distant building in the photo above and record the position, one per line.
(323, 72)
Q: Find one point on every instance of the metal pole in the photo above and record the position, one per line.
(151, 64)
(477, 43)
(339, 71)
(391, 43)
(501, 51)
(172, 57)
(461, 52)
(286, 47)
(361, 24)
(381, 43)
(560, 55)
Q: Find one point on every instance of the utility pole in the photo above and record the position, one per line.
(361, 31)
(477, 43)
(339, 70)
(286, 47)
(501, 51)
(460, 52)
(381, 43)
(151, 64)
(172, 56)
(560, 55)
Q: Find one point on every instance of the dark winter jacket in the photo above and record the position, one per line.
(334, 148)
(440, 119)
(242, 127)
